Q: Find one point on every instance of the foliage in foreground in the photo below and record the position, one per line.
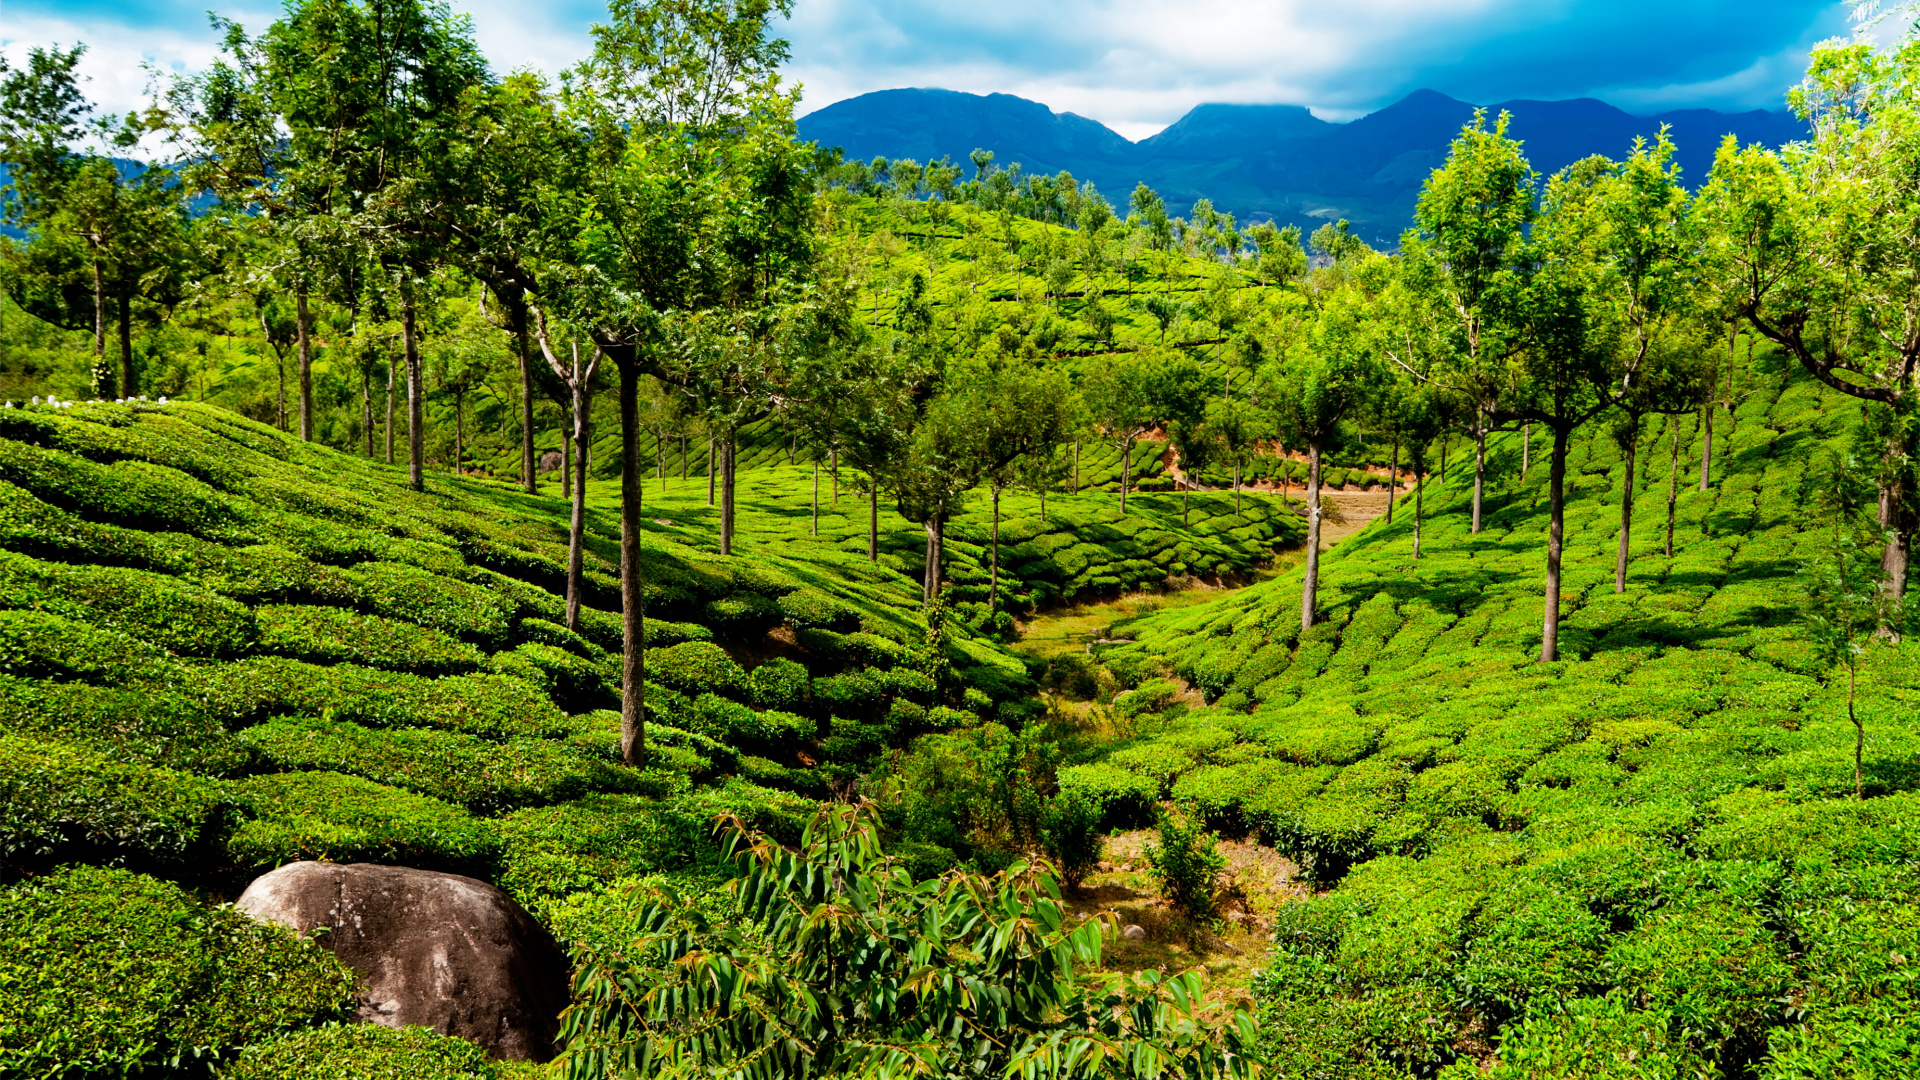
(842, 964)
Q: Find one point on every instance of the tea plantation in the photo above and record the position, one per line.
(1643, 860)
(223, 649)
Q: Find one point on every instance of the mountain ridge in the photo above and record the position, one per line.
(1268, 161)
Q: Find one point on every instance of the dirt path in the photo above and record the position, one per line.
(1353, 509)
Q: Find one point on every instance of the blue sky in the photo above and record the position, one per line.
(1136, 65)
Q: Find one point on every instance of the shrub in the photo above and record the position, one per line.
(138, 722)
(1186, 864)
(57, 801)
(418, 596)
(1071, 829)
(853, 694)
(697, 667)
(810, 609)
(781, 684)
(713, 754)
(172, 614)
(1123, 799)
(326, 815)
(737, 725)
(661, 633)
(1149, 697)
(554, 850)
(487, 705)
(875, 651)
(448, 765)
(107, 973)
(39, 645)
(743, 615)
(572, 681)
(368, 1052)
(336, 635)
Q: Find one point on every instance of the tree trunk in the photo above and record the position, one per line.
(1626, 510)
(1393, 476)
(1186, 495)
(1556, 531)
(633, 664)
(1126, 463)
(1526, 449)
(1706, 448)
(416, 443)
(710, 476)
(305, 343)
(729, 451)
(1479, 468)
(1859, 734)
(528, 476)
(929, 576)
(366, 406)
(577, 522)
(1444, 439)
(99, 321)
(1897, 522)
(1310, 588)
(816, 496)
(391, 380)
(1673, 481)
(567, 486)
(129, 386)
(280, 364)
(1419, 506)
(873, 518)
(993, 573)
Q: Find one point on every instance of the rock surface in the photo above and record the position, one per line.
(434, 950)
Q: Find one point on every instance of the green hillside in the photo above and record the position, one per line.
(1643, 860)
(226, 650)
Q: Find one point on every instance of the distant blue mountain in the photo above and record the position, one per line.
(1262, 161)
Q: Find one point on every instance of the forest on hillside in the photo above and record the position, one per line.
(587, 487)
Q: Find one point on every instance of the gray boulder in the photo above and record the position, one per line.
(439, 951)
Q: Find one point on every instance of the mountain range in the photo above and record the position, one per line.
(1268, 161)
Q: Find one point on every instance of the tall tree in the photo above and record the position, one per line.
(1648, 255)
(1819, 246)
(98, 227)
(577, 375)
(1572, 366)
(1318, 388)
(691, 221)
(1467, 255)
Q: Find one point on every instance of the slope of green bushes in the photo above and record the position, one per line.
(1646, 852)
(222, 649)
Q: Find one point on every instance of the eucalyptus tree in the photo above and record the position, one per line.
(1573, 366)
(1279, 259)
(1468, 255)
(576, 374)
(1020, 415)
(1648, 257)
(1818, 245)
(690, 225)
(1129, 399)
(1236, 427)
(1318, 388)
(97, 229)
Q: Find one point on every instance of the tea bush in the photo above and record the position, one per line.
(64, 802)
(286, 817)
(106, 972)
